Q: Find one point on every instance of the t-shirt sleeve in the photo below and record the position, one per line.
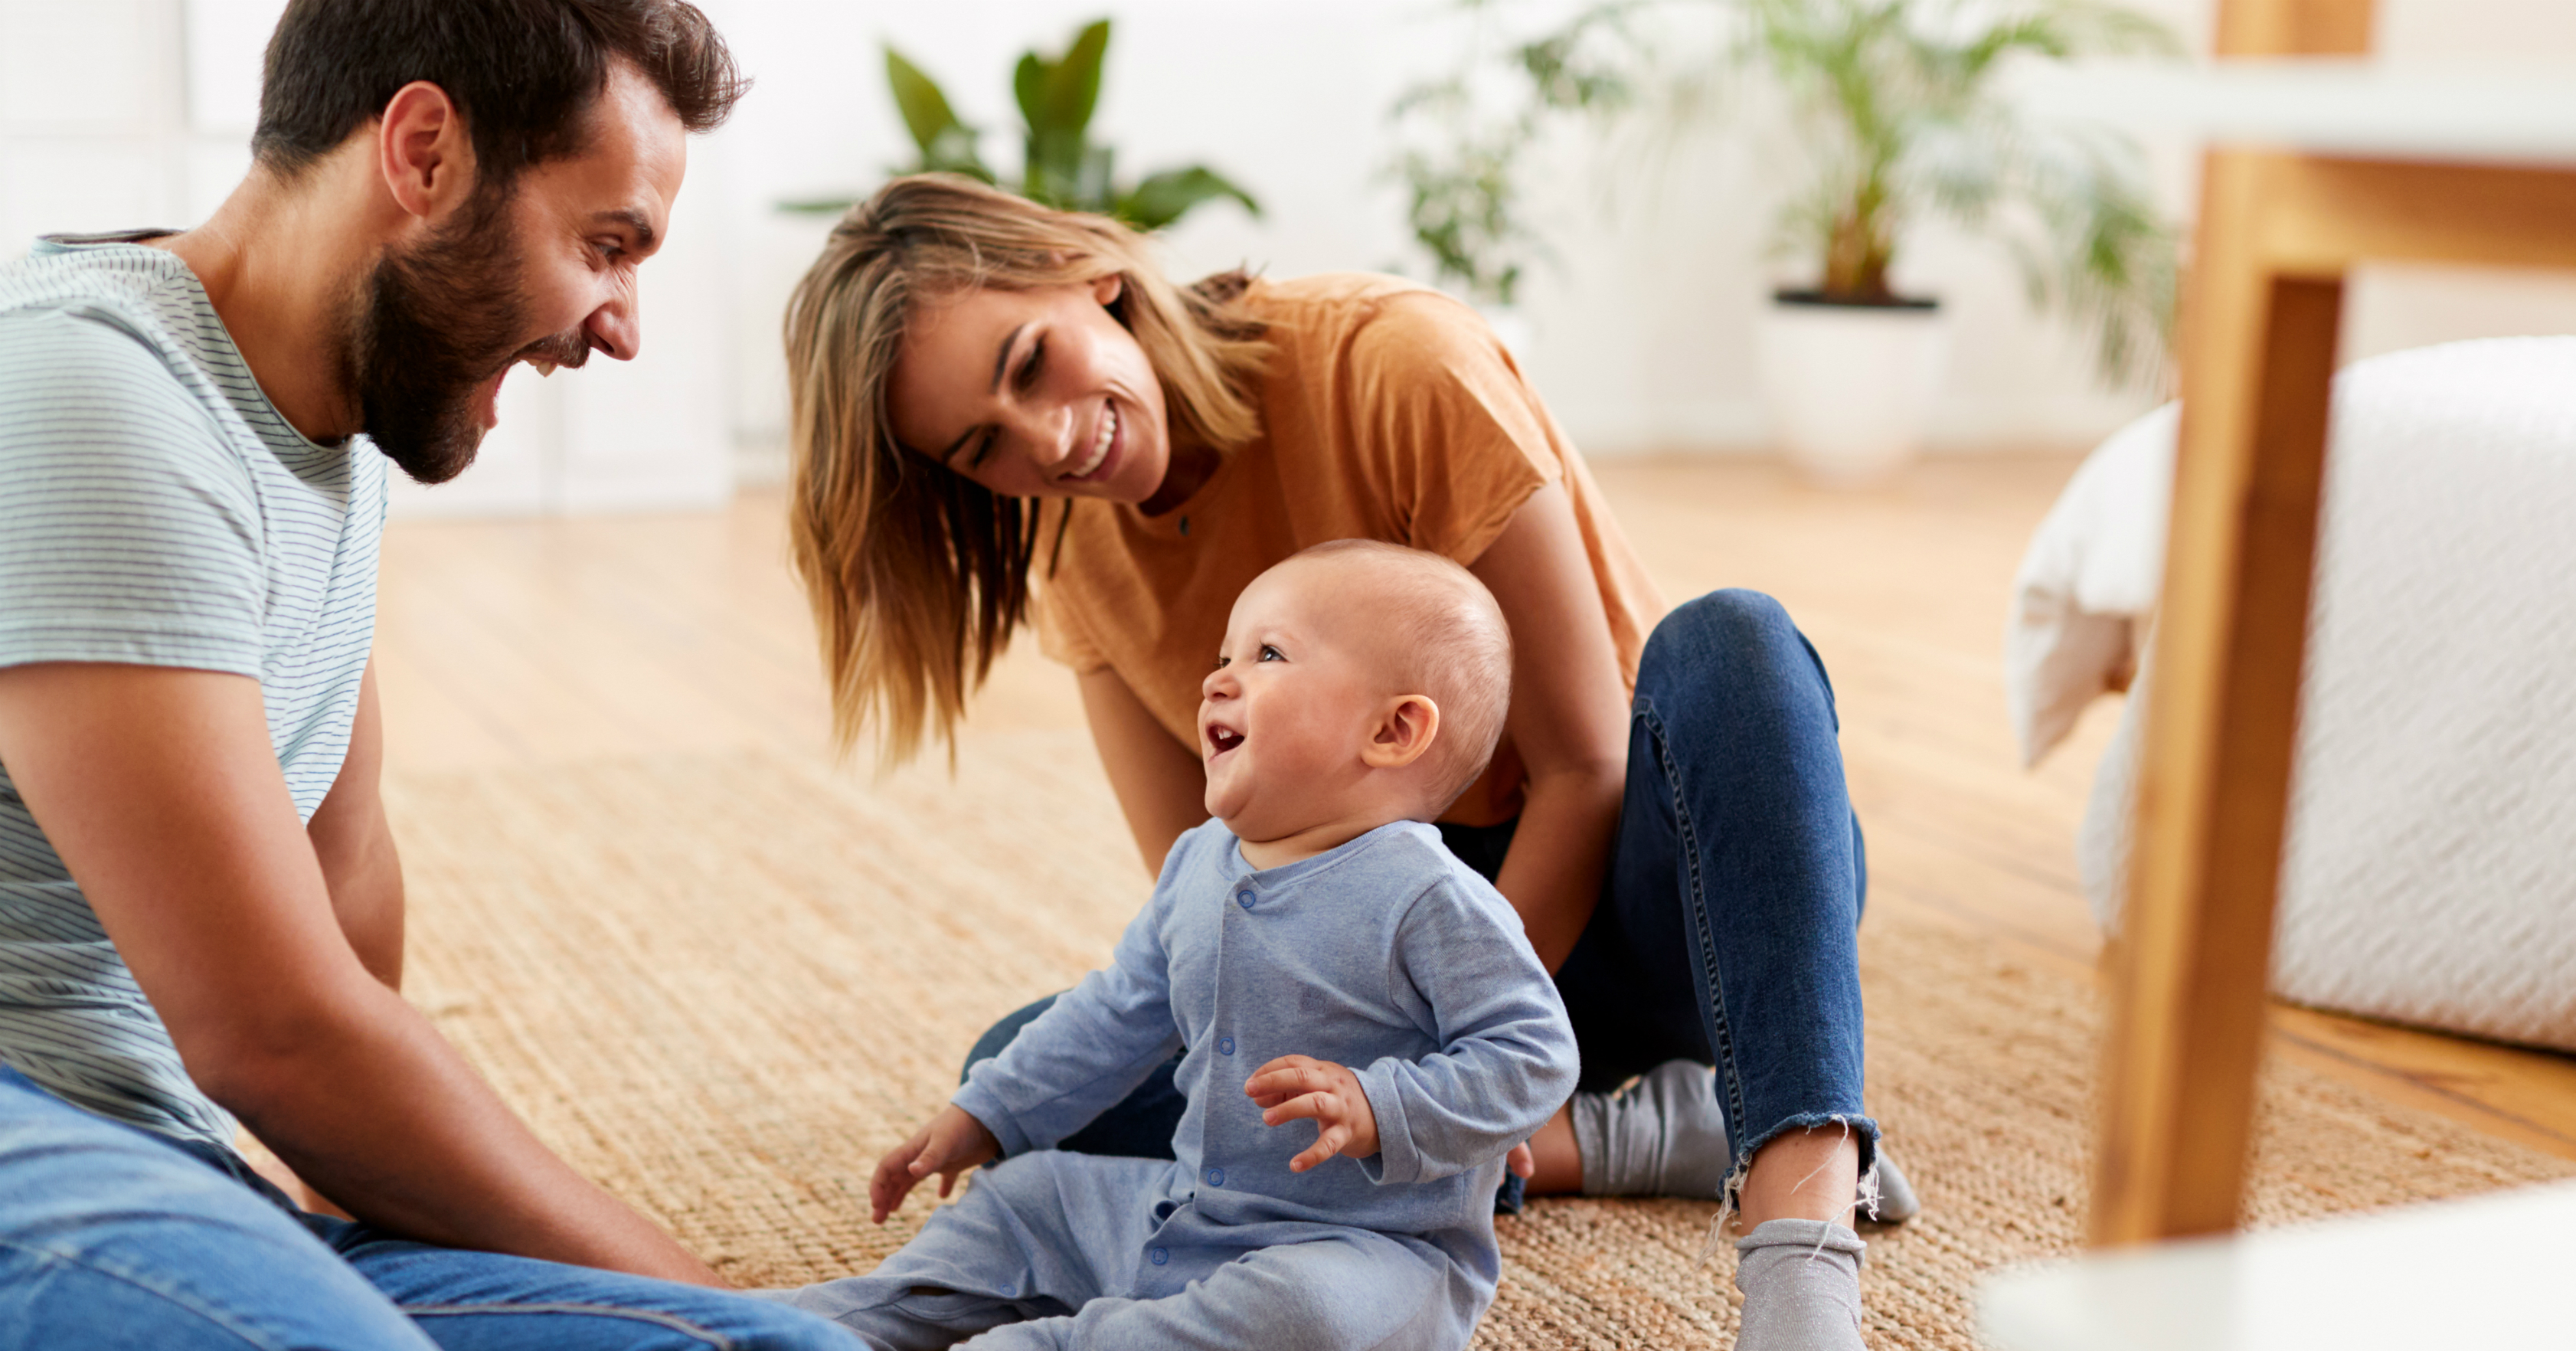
(1061, 636)
(129, 530)
(1450, 435)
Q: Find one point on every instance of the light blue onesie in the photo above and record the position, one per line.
(1386, 955)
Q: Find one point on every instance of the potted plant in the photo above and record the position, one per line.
(1895, 109)
(1061, 165)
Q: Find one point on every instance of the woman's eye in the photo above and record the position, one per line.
(1029, 369)
(1269, 653)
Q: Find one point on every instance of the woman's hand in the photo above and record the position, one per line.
(952, 1143)
(1295, 1086)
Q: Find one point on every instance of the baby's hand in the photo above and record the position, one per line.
(953, 1142)
(1296, 1086)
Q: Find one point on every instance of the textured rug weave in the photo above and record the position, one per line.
(724, 985)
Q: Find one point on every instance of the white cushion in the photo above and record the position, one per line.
(2430, 870)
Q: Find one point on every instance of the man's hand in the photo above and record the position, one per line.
(953, 1142)
(1295, 1086)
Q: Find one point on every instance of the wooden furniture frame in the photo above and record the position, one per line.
(2277, 233)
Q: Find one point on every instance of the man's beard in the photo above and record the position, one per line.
(437, 321)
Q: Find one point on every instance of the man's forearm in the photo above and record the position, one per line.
(374, 1109)
(1559, 853)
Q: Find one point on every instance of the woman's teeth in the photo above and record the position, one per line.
(1099, 444)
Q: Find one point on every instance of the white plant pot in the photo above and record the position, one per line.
(1850, 387)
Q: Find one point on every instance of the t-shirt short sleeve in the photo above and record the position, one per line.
(129, 531)
(1449, 432)
(1061, 638)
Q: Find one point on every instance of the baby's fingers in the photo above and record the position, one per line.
(887, 1188)
(1323, 1107)
(1287, 1077)
(1326, 1145)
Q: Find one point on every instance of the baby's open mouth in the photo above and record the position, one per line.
(1221, 740)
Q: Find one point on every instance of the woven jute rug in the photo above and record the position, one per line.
(724, 985)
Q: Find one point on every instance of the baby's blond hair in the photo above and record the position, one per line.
(1450, 642)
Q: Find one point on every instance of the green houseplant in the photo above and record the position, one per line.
(1895, 111)
(1061, 165)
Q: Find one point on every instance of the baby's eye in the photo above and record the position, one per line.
(1269, 653)
(1221, 661)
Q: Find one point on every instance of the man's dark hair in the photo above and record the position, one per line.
(523, 73)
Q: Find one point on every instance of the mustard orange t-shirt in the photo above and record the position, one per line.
(1390, 412)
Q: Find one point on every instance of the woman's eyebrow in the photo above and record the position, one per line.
(1002, 358)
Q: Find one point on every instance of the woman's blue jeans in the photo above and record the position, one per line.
(1727, 928)
(116, 1239)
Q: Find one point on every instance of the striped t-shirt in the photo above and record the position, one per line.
(155, 510)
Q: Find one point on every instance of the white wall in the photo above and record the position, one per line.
(114, 112)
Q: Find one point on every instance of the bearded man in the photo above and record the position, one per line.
(200, 907)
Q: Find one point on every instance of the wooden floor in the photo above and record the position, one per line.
(546, 642)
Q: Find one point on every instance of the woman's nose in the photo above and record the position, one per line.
(1047, 433)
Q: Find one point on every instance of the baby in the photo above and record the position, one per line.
(1323, 959)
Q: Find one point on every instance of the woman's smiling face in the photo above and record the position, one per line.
(1037, 393)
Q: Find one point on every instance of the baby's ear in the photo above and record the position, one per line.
(1406, 726)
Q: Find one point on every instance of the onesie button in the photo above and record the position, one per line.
(1160, 1256)
(1225, 1046)
(1244, 897)
(1216, 1177)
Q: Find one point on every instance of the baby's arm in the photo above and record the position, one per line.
(1507, 1059)
(1091, 1049)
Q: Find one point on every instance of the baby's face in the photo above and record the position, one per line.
(1284, 716)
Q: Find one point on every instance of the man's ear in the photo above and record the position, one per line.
(1406, 727)
(422, 150)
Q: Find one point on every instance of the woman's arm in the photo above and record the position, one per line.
(1569, 720)
(1160, 783)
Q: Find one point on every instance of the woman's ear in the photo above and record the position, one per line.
(1107, 289)
(1405, 728)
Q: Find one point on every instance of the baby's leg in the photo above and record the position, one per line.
(1038, 1236)
(1340, 1290)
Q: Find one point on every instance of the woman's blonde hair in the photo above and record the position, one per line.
(917, 574)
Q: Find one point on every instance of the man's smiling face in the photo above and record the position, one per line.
(542, 273)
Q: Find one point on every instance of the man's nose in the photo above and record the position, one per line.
(617, 328)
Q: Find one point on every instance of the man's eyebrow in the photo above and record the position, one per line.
(1003, 357)
(632, 219)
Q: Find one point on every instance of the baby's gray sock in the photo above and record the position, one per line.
(1663, 1135)
(1801, 1284)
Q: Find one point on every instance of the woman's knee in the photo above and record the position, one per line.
(1732, 640)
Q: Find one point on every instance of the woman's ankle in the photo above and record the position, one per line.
(1812, 1174)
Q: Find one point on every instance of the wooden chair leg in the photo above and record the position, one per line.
(2189, 997)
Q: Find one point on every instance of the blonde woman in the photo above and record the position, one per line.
(1004, 414)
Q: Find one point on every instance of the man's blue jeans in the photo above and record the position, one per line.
(1728, 925)
(116, 1239)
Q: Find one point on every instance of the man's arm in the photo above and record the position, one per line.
(160, 791)
(355, 846)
